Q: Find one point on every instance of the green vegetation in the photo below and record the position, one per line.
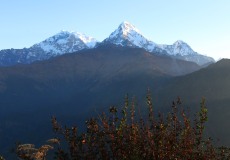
(128, 135)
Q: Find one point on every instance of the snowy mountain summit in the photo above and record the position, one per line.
(125, 29)
(178, 48)
(61, 43)
(66, 42)
(126, 35)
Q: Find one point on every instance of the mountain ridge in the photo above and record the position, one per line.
(126, 35)
(210, 83)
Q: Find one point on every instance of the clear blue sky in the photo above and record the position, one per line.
(203, 24)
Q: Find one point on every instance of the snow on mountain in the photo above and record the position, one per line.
(61, 43)
(182, 50)
(89, 41)
(178, 48)
(128, 35)
(66, 42)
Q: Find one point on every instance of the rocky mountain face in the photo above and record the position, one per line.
(61, 43)
(126, 35)
(181, 50)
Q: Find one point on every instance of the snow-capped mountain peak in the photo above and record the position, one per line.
(55, 38)
(128, 28)
(182, 48)
(178, 48)
(89, 41)
(128, 35)
(181, 44)
(66, 42)
(124, 29)
(63, 35)
(62, 42)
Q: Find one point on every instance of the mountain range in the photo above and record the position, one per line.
(76, 86)
(126, 35)
(42, 81)
(211, 83)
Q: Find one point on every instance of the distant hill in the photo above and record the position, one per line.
(212, 83)
(89, 70)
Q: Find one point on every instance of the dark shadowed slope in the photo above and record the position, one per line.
(212, 83)
(75, 86)
(87, 71)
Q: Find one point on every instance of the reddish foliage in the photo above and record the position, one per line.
(128, 137)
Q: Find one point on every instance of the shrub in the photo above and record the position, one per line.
(128, 136)
(1, 158)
